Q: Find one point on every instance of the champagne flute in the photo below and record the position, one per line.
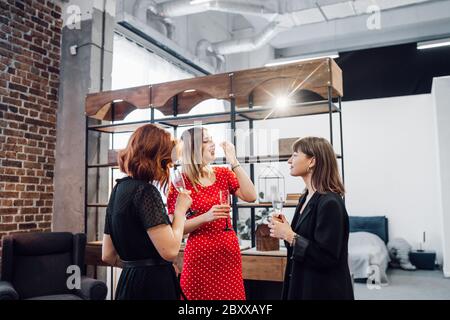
(224, 196)
(176, 177)
(277, 205)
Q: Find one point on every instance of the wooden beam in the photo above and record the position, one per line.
(298, 81)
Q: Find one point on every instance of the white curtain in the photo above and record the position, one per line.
(134, 66)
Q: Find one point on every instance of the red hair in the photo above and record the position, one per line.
(148, 155)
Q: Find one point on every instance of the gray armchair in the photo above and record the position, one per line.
(34, 267)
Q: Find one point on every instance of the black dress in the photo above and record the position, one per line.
(317, 266)
(134, 207)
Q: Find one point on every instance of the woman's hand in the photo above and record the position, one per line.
(280, 228)
(217, 212)
(184, 202)
(230, 152)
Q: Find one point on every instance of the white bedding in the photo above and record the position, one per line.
(368, 255)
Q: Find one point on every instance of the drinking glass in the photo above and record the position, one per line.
(176, 177)
(224, 196)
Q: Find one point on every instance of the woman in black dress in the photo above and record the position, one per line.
(317, 239)
(139, 236)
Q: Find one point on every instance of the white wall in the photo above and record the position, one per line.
(390, 168)
(441, 98)
(390, 165)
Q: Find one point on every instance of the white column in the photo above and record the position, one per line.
(441, 104)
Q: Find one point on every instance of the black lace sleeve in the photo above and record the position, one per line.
(150, 207)
(107, 229)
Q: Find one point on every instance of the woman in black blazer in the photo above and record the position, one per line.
(317, 239)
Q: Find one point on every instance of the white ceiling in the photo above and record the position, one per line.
(341, 25)
(317, 26)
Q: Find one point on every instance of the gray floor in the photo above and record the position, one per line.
(408, 285)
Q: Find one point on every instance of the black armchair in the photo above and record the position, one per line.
(35, 265)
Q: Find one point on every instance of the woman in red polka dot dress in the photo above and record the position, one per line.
(212, 266)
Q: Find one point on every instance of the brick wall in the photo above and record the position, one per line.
(30, 38)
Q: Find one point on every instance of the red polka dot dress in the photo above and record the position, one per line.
(212, 266)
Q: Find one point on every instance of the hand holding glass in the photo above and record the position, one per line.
(224, 196)
(176, 177)
(277, 204)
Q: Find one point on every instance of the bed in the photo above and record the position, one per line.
(368, 254)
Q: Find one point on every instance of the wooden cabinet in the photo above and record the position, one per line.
(263, 265)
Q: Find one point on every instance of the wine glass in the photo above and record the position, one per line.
(277, 204)
(224, 199)
(176, 177)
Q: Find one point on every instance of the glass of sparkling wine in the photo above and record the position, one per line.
(176, 177)
(224, 196)
(277, 205)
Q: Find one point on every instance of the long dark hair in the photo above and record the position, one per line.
(325, 176)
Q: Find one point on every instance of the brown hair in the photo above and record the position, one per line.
(325, 176)
(148, 155)
(192, 155)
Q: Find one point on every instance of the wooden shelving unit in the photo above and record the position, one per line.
(314, 87)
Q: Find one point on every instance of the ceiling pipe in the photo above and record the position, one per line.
(248, 44)
(140, 8)
(140, 11)
(204, 48)
(187, 7)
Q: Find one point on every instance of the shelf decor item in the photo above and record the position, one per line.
(264, 242)
(285, 146)
(293, 198)
(270, 183)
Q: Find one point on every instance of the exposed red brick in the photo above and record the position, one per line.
(4, 211)
(27, 226)
(30, 38)
(8, 227)
(29, 210)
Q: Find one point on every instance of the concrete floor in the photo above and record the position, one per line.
(408, 285)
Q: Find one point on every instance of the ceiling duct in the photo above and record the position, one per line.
(179, 8)
(248, 44)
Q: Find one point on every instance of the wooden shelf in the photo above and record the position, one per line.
(168, 122)
(103, 165)
(294, 110)
(218, 161)
(221, 161)
(205, 119)
(264, 205)
(119, 127)
(255, 159)
(242, 114)
(319, 77)
(97, 205)
(253, 252)
(263, 265)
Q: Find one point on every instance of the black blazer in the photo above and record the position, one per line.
(317, 266)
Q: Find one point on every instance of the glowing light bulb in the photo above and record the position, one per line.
(281, 102)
